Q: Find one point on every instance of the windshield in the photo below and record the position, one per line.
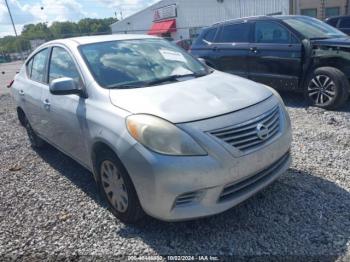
(138, 63)
(313, 28)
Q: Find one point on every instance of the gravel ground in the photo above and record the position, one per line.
(49, 204)
(7, 71)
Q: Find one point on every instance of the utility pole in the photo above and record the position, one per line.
(14, 28)
(323, 9)
(297, 9)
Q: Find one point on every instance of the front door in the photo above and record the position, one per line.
(231, 48)
(65, 114)
(275, 56)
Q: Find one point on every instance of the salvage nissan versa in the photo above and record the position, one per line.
(162, 133)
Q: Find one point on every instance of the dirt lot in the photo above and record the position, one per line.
(49, 204)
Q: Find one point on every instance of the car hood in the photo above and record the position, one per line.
(199, 98)
(344, 41)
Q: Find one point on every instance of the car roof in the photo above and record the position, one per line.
(82, 40)
(336, 17)
(254, 18)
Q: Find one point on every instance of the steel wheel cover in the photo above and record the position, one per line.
(114, 186)
(321, 90)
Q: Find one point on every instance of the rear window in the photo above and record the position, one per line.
(234, 33)
(209, 35)
(332, 22)
(36, 66)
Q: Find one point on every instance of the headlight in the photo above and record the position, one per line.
(162, 136)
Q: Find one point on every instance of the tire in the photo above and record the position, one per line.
(35, 140)
(327, 87)
(117, 188)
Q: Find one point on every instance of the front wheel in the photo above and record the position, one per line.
(118, 189)
(327, 87)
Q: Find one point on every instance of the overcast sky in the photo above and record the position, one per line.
(29, 11)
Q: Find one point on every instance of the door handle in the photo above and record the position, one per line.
(254, 50)
(47, 104)
(21, 92)
(215, 48)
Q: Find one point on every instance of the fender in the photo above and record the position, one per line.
(317, 55)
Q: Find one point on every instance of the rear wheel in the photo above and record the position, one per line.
(327, 87)
(118, 189)
(35, 140)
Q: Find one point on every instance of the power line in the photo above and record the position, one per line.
(13, 24)
(14, 28)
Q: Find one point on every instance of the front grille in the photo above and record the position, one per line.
(236, 189)
(245, 136)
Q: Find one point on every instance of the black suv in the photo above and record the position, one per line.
(340, 22)
(285, 52)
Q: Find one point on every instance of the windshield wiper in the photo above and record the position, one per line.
(154, 82)
(319, 38)
(126, 85)
(173, 78)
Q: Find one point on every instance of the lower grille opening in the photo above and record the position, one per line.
(231, 191)
(187, 198)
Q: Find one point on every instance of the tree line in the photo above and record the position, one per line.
(86, 26)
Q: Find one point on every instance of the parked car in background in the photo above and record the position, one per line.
(162, 132)
(340, 22)
(184, 43)
(296, 53)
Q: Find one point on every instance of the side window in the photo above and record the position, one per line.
(235, 33)
(271, 32)
(38, 66)
(333, 22)
(62, 65)
(210, 35)
(294, 40)
(345, 22)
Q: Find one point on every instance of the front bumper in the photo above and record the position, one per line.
(174, 188)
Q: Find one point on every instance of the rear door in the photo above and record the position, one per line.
(32, 91)
(275, 56)
(65, 115)
(232, 48)
(204, 46)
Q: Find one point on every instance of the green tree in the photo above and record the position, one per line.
(86, 26)
(37, 31)
(64, 29)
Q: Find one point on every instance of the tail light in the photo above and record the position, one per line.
(10, 84)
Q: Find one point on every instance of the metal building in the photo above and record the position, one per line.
(320, 8)
(182, 19)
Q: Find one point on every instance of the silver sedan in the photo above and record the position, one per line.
(162, 133)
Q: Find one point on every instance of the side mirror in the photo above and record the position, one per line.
(64, 86)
